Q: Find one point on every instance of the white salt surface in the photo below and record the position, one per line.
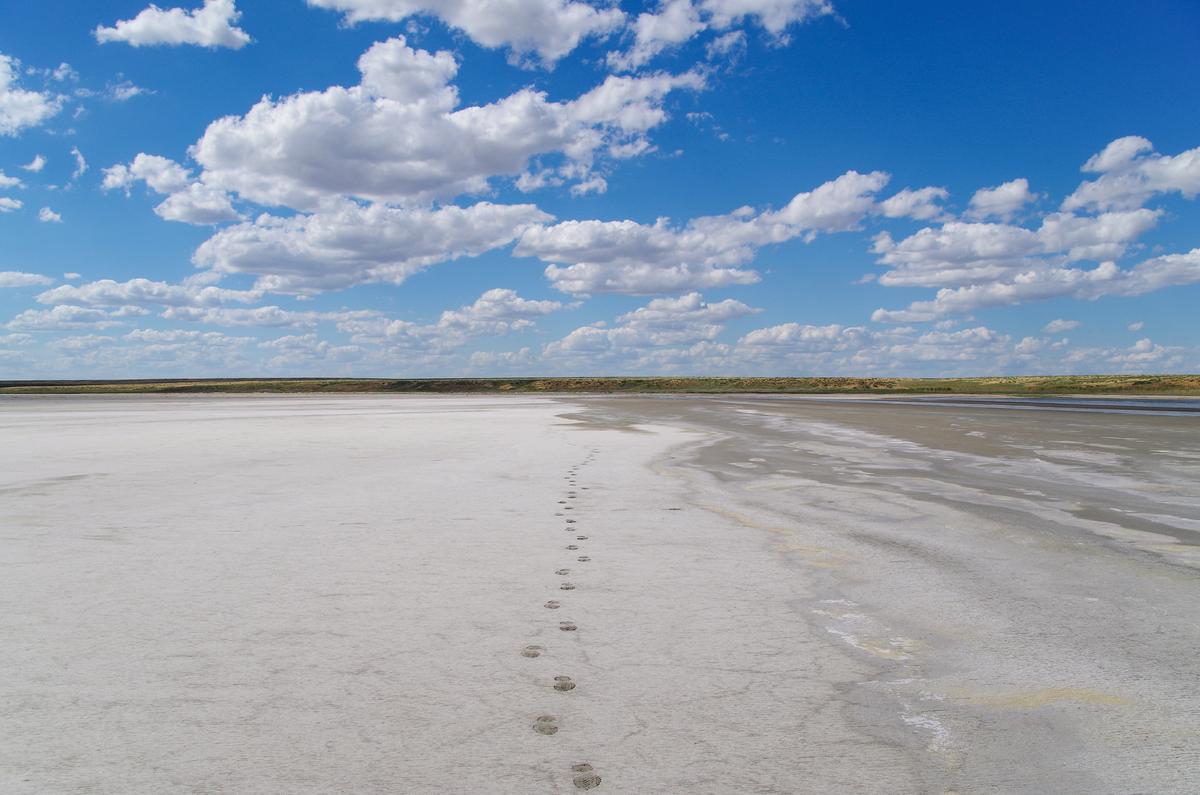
(320, 595)
(338, 594)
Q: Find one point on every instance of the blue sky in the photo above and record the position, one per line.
(493, 187)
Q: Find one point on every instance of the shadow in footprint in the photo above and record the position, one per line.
(567, 586)
(553, 604)
(583, 558)
(587, 778)
(546, 724)
(532, 651)
(563, 683)
(566, 626)
(563, 572)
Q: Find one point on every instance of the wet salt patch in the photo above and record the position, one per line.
(938, 734)
(1178, 522)
(978, 434)
(743, 465)
(759, 460)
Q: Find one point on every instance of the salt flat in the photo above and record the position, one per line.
(369, 594)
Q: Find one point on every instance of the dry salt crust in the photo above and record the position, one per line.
(314, 594)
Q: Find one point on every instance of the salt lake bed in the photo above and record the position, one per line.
(630, 594)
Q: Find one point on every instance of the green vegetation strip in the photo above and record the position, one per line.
(1007, 385)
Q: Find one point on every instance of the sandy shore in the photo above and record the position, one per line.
(715, 595)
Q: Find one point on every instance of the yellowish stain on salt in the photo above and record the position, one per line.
(1031, 699)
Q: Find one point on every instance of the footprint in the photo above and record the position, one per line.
(563, 683)
(553, 604)
(532, 651)
(563, 572)
(572, 546)
(581, 538)
(562, 502)
(565, 626)
(587, 778)
(583, 558)
(572, 521)
(569, 508)
(566, 586)
(546, 724)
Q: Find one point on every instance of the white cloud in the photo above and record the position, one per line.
(125, 91)
(960, 253)
(1131, 172)
(64, 317)
(188, 201)
(212, 25)
(685, 320)
(48, 216)
(19, 279)
(774, 15)
(351, 244)
(265, 316)
(1003, 201)
(1142, 356)
(548, 29)
(641, 259)
(302, 150)
(144, 292)
(1059, 326)
(675, 22)
(35, 165)
(496, 312)
(8, 205)
(920, 204)
(1054, 282)
(1137, 325)
(20, 108)
(81, 165)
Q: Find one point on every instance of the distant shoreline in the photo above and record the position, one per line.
(1085, 385)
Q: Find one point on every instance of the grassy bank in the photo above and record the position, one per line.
(1008, 385)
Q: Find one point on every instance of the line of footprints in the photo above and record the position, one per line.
(585, 777)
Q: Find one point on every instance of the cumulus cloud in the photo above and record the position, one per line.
(65, 317)
(1137, 325)
(921, 204)
(685, 320)
(496, 312)
(960, 252)
(8, 205)
(547, 29)
(353, 244)
(144, 292)
(48, 216)
(212, 25)
(1003, 201)
(1131, 172)
(35, 165)
(189, 201)
(1054, 282)
(300, 151)
(81, 164)
(265, 316)
(1059, 326)
(20, 279)
(641, 259)
(21, 108)
(677, 21)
